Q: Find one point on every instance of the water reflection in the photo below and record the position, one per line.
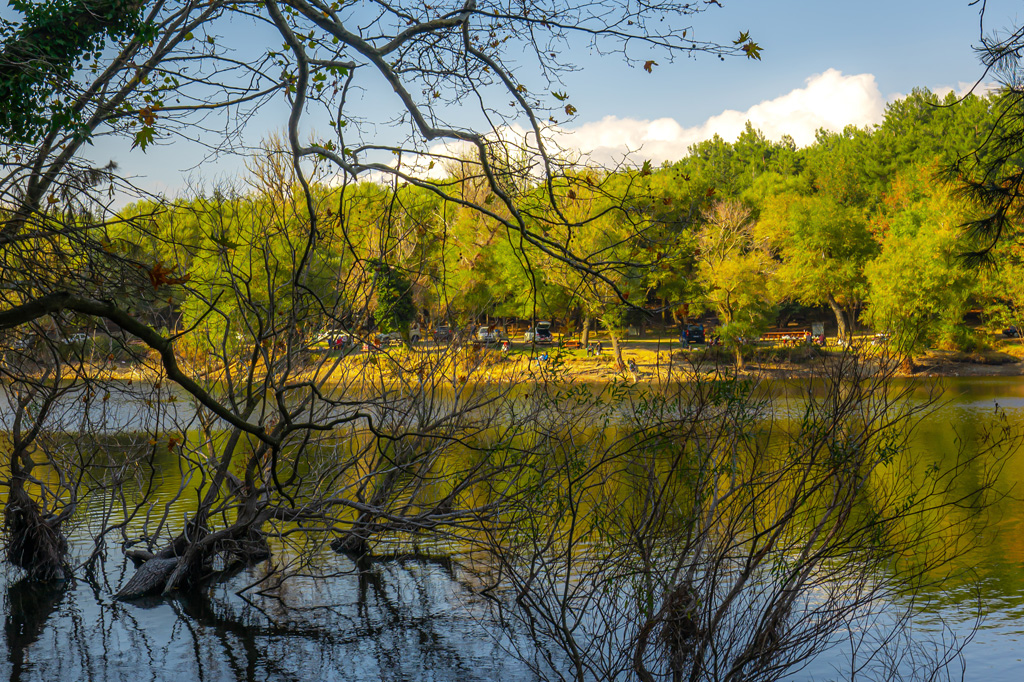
(390, 620)
(413, 619)
(28, 606)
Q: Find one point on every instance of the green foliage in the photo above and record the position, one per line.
(991, 177)
(920, 286)
(736, 267)
(395, 308)
(823, 245)
(144, 137)
(41, 53)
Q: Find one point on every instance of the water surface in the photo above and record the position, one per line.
(417, 619)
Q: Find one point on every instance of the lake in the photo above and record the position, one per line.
(420, 618)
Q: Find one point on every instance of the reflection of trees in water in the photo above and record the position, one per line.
(726, 546)
(390, 620)
(27, 607)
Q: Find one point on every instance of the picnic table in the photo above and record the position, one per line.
(789, 337)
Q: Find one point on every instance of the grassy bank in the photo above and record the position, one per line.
(656, 358)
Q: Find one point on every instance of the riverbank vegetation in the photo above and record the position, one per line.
(677, 528)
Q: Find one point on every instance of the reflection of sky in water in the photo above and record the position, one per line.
(407, 621)
(112, 407)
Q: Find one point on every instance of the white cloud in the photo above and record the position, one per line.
(962, 89)
(830, 100)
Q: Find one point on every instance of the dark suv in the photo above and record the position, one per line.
(443, 333)
(694, 333)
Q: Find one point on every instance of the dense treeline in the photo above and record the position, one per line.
(859, 223)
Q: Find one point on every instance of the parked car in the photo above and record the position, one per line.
(442, 333)
(539, 334)
(1012, 332)
(490, 334)
(395, 338)
(693, 333)
(414, 334)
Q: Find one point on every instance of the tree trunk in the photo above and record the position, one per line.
(34, 543)
(850, 313)
(617, 353)
(585, 334)
(739, 355)
(355, 541)
(149, 578)
(184, 565)
(841, 323)
(189, 558)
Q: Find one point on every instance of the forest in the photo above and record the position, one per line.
(866, 223)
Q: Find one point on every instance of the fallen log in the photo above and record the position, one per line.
(150, 578)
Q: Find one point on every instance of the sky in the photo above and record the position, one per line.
(824, 63)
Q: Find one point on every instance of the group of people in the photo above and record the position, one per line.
(810, 339)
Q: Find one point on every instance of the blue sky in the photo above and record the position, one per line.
(824, 63)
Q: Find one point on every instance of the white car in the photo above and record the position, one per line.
(490, 335)
(395, 338)
(539, 334)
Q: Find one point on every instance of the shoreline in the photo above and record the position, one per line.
(657, 365)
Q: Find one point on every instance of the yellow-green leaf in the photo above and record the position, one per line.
(144, 137)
